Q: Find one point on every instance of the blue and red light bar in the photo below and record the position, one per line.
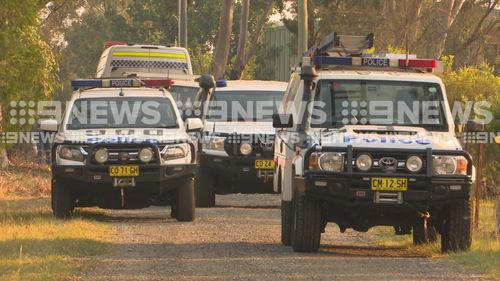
(121, 83)
(375, 62)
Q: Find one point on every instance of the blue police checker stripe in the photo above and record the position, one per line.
(149, 64)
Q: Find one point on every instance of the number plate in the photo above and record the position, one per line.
(264, 164)
(389, 184)
(124, 171)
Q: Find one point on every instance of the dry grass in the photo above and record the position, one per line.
(484, 255)
(24, 178)
(35, 246)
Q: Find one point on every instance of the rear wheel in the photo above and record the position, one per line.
(286, 222)
(457, 227)
(63, 202)
(185, 203)
(306, 230)
(205, 189)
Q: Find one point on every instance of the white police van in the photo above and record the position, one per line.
(367, 141)
(237, 150)
(121, 59)
(123, 145)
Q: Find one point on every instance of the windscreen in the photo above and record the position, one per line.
(183, 95)
(243, 105)
(123, 112)
(376, 102)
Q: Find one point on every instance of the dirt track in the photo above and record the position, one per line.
(240, 240)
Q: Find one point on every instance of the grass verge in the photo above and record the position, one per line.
(484, 255)
(35, 246)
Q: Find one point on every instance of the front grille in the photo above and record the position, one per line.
(123, 155)
(400, 157)
(262, 144)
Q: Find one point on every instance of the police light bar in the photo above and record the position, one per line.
(120, 83)
(320, 61)
(221, 83)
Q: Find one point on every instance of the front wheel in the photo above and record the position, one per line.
(185, 203)
(286, 222)
(62, 199)
(306, 230)
(205, 189)
(457, 227)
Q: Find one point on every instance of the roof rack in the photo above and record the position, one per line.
(346, 51)
(342, 44)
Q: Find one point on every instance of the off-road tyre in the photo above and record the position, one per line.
(286, 222)
(205, 189)
(63, 201)
(306, 230)
(185, 203)
(457, 227)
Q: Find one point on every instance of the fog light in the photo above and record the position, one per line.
(146, 154)
(414, 163)
(245, 148)
(101, 155)
(364, 162)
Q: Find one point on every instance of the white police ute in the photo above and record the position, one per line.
(364, 141)
(236, 153)
(123, 145)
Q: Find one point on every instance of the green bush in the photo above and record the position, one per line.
(478, 83)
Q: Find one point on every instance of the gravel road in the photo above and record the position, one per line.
(240, 240)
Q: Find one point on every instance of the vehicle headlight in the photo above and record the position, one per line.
(101, 155)
(214, 143)
(175, 151)
(414, 163)
(364, 162)
(246, 148)
(70, 152)
(449, 165)
(333, 162)
(146, 154)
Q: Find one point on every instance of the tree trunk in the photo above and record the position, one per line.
(221, 52)
(182, 23)
(4, 160)
(450, 10)
(498, 214)
(302, 35)
(240, 61)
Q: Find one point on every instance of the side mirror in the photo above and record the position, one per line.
(206, 81)
(194, 125)
(472, 126)
(49, 125)
(282, 120)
